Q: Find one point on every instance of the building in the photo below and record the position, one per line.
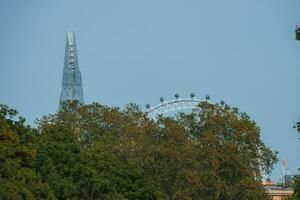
(279, 193)
(71, 88)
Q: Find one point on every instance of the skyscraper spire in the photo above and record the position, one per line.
(71, 88)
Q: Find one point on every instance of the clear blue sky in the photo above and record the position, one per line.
(240, 51)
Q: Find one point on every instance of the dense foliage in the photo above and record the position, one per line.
(99, 152)
(296, 181)
(18, 177)
(297, 33)
(296, 184)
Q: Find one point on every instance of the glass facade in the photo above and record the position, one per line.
(71, 88)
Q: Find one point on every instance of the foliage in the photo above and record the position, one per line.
(296, 182)
(297, 32)
(18, 178)
(231, 149)
(87, 173)
(297, 187)
(99, 152)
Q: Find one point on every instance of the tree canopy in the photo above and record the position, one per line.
(99, 152)
(296, 179)
(297, 33)
(18, 177)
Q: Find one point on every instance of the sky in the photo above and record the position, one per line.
(239, 51)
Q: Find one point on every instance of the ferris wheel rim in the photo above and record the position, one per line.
(174, 101)
(173, 105)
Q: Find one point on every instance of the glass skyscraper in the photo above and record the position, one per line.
(71, 88)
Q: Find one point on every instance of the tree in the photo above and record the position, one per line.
(229, 143)
(296, 185)
(80, 168)
(18, 178)
(213, 153)
(296, 188)
(297, 32)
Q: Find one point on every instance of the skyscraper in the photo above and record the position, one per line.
(71, 88)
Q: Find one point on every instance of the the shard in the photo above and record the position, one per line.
(71, 88)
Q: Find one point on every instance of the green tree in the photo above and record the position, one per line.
(79, 158)
(297, 32)
(231, 151)
(296, 188)
(18, 178)
(296, 185)
(213, 153)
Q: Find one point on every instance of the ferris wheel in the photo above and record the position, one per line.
(176, 104)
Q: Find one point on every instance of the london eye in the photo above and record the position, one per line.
(175, 104)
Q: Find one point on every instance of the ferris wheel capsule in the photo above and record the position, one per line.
(207, 97)
(192, 95)
(162, 99)
(176, 96)
(148, 106)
